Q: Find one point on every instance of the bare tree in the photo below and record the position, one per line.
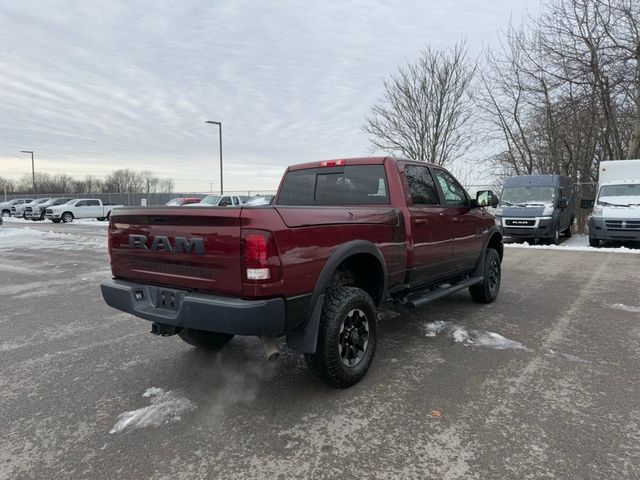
(426, 110)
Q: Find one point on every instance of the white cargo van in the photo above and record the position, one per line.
(616, 210)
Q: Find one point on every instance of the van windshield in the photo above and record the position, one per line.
(624, 190)
(529, 196)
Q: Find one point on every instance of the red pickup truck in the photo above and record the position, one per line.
(341, 237)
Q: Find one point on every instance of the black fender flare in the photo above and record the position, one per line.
(304, 338)
(493, 230)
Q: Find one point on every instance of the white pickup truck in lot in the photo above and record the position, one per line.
(81, 208)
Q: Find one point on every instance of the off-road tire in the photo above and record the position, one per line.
(594, 242)
(487, 291)
(206, 340)
(342, 307)
(67, 217)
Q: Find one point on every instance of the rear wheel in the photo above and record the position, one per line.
(594, 242)
(487, 290)
(67, 217)
(206, 340)
(347, 337)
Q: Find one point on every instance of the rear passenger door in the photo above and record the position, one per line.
(95, 209)
(464, 223)
(430, 242)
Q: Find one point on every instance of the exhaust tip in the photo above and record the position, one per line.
(270, 346)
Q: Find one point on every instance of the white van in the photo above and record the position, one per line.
(616, 212)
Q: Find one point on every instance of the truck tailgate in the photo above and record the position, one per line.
(190, 248)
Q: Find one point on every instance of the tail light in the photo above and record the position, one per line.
(260, 261)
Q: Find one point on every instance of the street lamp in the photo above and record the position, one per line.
(33, 169)
(220, 131)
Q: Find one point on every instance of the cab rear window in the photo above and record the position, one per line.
(350, 185)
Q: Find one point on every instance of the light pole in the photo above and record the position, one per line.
(220, 132)
(33, 168)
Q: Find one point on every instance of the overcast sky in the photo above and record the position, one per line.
(92, 85)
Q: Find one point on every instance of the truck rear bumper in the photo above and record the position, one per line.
(183, 309)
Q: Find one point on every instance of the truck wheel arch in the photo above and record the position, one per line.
(494, 241)
(352, 254)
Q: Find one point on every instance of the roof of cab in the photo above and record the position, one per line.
(351, 161)
(537, 181)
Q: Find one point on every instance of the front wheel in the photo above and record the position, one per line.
(347, 337)
(67, 217)
(206, 340)
(594, 242)
(487, 290)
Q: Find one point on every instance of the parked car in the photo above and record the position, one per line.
(181, 201)
(21, 209)
(537, 207)
(5, 207)
(37, 212)
(616, 213)
(80, 208)
(260, 200)
(342, 237)
(218, 201)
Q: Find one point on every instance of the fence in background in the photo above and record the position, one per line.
(131, 199)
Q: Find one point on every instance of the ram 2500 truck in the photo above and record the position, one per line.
(341, 237)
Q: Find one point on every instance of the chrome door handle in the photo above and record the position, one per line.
(457, 219)
(421, 221)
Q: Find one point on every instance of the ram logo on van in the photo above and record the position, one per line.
(163, 243)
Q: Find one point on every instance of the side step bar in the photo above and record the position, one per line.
(418, 299)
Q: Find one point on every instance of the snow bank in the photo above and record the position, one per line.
(80, 221)
(578, 243)
(472, 337)
(30, 239)
(165, 407)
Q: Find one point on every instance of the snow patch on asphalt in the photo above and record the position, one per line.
(165, 407)
(578, 243)
(28, 238)
(624, 308)
(564, 356)
(466, 336)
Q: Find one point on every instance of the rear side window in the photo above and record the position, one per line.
(350, 185)
(421, 185)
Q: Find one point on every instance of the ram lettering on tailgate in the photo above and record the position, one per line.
(161, 242)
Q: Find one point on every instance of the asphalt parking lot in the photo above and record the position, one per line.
(544, 383)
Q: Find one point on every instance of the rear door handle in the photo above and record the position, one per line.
(457, 219)
(421, 221)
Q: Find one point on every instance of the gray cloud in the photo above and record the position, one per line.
(92, 86)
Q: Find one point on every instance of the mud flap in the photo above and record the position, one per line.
(305, 338)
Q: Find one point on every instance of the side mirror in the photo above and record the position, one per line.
(587, 203)
(562, 203)
(486, 198)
